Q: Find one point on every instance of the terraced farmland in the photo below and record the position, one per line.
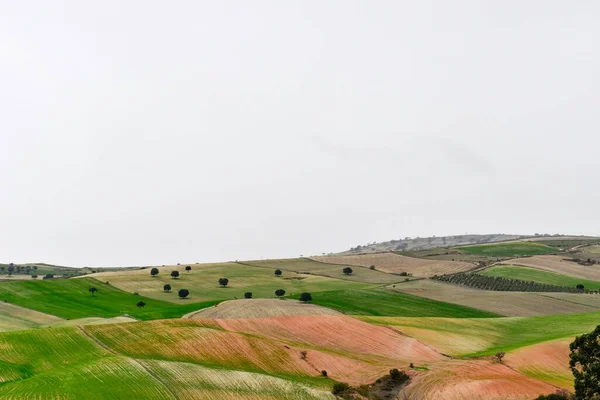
(395, 264)
(202, 282)
(539, 276)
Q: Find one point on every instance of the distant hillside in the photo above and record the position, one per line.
(426, 243)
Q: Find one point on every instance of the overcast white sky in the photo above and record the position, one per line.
(152, 132)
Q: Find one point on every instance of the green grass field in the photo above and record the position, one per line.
(202, 282)
(495, 334)
(383, 302)
(69, 298)
(509, 250)
(536, 275)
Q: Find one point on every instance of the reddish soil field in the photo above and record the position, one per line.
(473, 380)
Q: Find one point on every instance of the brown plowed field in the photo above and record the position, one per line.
(395, 264)
(513, 304)
(548, 361)
(259, 308)
(473, 380)
(558, 265)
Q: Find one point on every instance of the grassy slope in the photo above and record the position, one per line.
(69, 298)
(202, 282)
(360, 274)
(500, 334)
(381, 302)
(536, 275)
(514, 249)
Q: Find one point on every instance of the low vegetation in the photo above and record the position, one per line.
(509, 250)
(539, 276)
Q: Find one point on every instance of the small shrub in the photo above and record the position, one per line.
(340, 387)
(136, 294)
(403, 273)
(183, 293)
(303, 354)
(279, 292)
(278, 272)
(248, 295)
(324, 373)
(347, 271)
(167, 288)
(499, 356)
(223, 282)
(372, 267)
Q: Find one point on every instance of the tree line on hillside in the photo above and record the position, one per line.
(503, 284)
(17, 269)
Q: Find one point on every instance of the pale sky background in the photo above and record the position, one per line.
(147, 132)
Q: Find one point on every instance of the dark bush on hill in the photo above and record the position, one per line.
(167, 288)
(223, 282)
(154, 271)
(174, 274)
(279, 292)
(347, 270)
(340, 388)
(278, 272)
(248, 295)
(183, 293)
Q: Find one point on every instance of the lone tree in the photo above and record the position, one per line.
(248, 295)
(183, 293)
(92, 290)
(174, 274)
(154, 271)
(278, 272)
(188, 268)
(223, 282)
(167, 288)
(280, 293)
(585, 364)
(140, 304)
(580, 286)
(347, 270)
(499, 356)
(305, 297)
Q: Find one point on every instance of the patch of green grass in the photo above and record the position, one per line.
(70, 298)
(64, 363)
(381, 302)
(500, 334)
(536, 275)
(202, 282)
(515, 249)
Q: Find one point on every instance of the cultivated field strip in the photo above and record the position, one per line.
(15, 318)
(395, 264)
(200, 342)
(259, 308)
(504, 303)
(190, 381)
(559, 265)
(461, 379)
(102, 378)
(310, 266)
(547, 361)
(486, 336)
(342, 333)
